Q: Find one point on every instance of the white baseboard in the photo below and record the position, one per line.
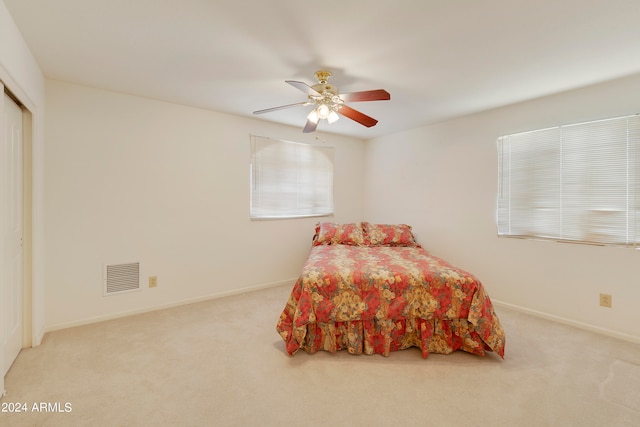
(37, 337)
(118, 315)
(565, 321)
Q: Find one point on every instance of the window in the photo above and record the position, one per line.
(577, 183)
(290, 179)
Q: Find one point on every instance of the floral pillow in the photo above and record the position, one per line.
(329, 233)
(389, 235)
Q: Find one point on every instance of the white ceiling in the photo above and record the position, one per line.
(438, 59)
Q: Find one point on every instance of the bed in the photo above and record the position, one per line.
(372, 289)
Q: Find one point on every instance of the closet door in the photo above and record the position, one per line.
(11, 230)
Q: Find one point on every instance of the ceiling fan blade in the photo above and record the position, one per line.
(310, 126)
(282, 107)
(367, 95)
(357, 116)
(304, 87)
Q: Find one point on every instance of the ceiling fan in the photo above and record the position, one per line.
(329, 102)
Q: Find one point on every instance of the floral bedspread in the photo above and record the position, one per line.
(381, 299)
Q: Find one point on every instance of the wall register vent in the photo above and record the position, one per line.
(119, 278)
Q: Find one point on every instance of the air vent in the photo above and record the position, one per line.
(119, 278)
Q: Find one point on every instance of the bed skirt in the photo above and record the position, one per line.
(384, 336)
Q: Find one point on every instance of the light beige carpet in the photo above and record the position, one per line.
(221, 363)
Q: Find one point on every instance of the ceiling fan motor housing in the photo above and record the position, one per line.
(325, 87)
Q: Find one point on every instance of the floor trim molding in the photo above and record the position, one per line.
(121, 314)
(570, 322)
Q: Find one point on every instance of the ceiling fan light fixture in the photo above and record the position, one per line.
(333, 117)
(323, 111)
(313, 116)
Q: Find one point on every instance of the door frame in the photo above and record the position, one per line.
(27, 228)
(30, 337)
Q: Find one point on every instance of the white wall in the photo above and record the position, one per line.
(442, 180)
(133, 179)
(20, 72)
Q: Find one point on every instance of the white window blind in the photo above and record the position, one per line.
(290, 179)
(577, 183)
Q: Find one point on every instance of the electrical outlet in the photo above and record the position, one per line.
(153, 281)
(605, 300)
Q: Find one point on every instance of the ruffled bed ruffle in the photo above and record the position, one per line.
(384, 336)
